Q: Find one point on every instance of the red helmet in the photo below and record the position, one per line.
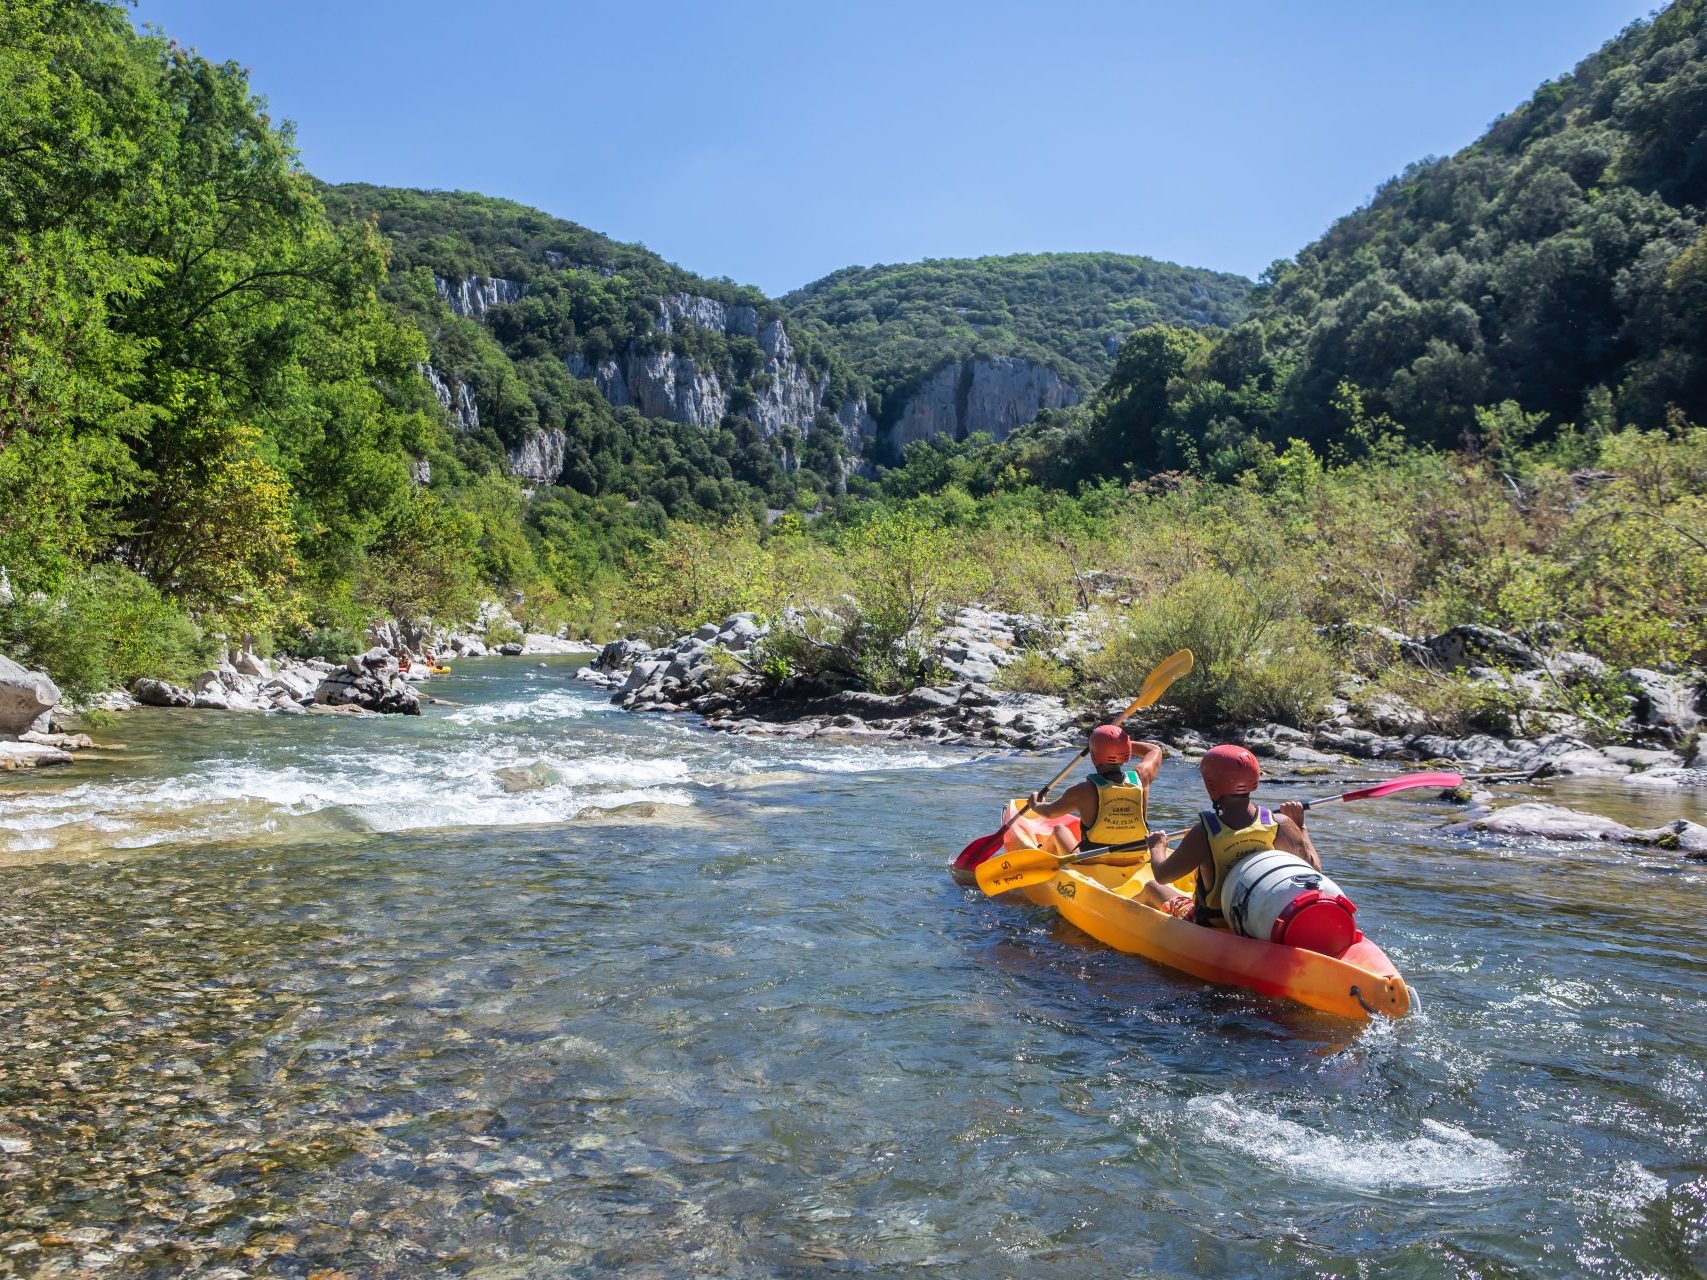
(1110, 745)
(1229, 770)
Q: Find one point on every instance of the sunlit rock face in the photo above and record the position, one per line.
(539, 458)
(993, 394)
(473, 296)
(456, 397)
(782, 395)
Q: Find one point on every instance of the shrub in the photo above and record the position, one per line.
(333, 642)
(1035, 672)
(696, 574)
(726, 668)
(107, 627)
(1255, 660)
(906, 575)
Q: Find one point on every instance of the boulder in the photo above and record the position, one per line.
(1544, 821)
(248, 664)
(1665, 704)
(619, 655)
(158, 693)
(1575, 665)
(936, 698)
(25, 697)
(220, 680)
(1558, 753)
(510, 649)
(63, 741)
(739, 634)
(1362, 743)
(538, 642)
(295, 683)
(370, 691)
(31, 755)
(1554, 822)
(1389, 713)
(1471, 645)
(642, 673)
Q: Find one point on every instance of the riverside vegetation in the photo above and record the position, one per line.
(1472, 401)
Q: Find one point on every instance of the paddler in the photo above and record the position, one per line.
(1232, 828)
(1113, 802)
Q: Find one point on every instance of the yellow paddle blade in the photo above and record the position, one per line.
(1168, 670)
(1016, 869)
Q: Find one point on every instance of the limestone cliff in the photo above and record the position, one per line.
(781, 395)
(473, 296)
(539, 457)
(993, 394)
(456, 397)
(759, 377)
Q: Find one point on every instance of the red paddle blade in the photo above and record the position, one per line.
(979, 849)
(1404, 782)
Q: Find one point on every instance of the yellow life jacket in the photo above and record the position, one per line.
(1122, 806)
(1228, 846)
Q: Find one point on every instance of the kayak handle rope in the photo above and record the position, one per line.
(1367, 1007)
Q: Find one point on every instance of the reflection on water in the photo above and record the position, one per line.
(527, 988)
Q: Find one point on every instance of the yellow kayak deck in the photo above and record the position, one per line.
(1101, 900)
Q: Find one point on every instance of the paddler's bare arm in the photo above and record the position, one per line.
(1188, 855)
(1291, 835)
(1146, 760)
(1072, 800)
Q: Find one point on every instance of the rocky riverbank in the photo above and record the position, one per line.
(380, 681)
(719, 672)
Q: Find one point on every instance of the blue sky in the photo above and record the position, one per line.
(774, 142)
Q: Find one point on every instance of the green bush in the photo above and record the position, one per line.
(1035, 672)
(105, 628)
(332, 642)
(1255, 660)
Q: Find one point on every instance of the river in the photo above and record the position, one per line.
(298, 996)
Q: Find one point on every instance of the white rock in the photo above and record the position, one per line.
(25, 696)
(248, 664)
(538, 642)
(31, 755)
(1545, 821)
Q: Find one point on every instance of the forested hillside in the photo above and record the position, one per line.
(602, 367)
(1557, 267)
(1068, 311)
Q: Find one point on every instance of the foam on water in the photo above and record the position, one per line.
(454, 785)
(555, 705)
(1440, 1158)
(872, 760)
(451, 770)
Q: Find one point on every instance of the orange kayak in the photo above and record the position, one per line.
(1360, 983)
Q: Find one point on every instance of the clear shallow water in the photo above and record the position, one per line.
(680, 1004)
